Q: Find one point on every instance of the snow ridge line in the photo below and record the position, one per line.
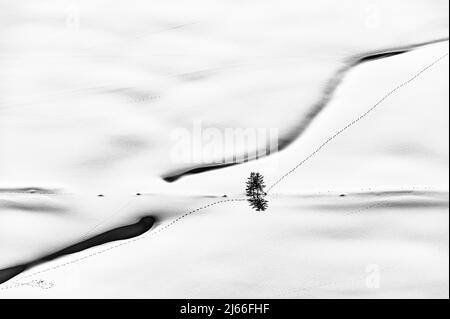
(362, 116)
(151, 234)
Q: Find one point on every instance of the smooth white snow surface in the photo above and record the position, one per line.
(92, 91)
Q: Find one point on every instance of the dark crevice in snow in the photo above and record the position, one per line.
(304, 123)
(120, 233)
(174, 176)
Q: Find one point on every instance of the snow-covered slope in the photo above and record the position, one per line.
(90, 103)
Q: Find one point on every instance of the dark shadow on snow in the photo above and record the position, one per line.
(315, 109)
(120, 233)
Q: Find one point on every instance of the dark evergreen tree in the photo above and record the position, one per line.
(260, 204)
(255, 192)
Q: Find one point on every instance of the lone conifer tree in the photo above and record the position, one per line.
(255, 192)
